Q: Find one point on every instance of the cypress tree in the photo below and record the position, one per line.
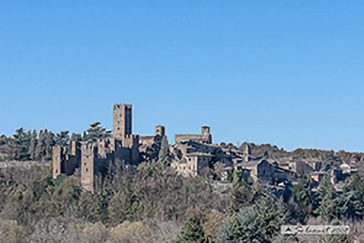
(33, 145)
(49, 143)
(41, 147)
(164, 154)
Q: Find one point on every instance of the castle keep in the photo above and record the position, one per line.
(93, 158)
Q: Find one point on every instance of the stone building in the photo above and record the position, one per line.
(66, 158)
(192, 157)
(149, 146)
(94, 158)
(192, 164)
(157, 137)
(204, 137)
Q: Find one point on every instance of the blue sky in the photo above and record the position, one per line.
(288, 73)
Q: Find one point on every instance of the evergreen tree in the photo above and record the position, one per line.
(192, 232)
(351, 201)
(84, 136)
(76, 137)
(241, 227)
(20, 143)
(164, 153)
(40, 149)
(62, 138)
(270, 215)
(302, 199)
(49, 143)
(95, 132)
(33, 145)
(325, 199)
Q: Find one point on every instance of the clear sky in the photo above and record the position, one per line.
(289, 73)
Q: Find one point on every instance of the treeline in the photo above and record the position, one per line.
(155, 204)
(260, 150)
(32, 145)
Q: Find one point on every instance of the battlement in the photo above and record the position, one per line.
(130, 140)
(65, 160)
(89, 149)
(120, 105)
(75, 148)
(160, 130)
(58, 150)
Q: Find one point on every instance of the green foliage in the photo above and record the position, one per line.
(192, 232)
(50, 139)
(242, 227)
(164, 154)
(325, 199)
(20, 143)
(33, 145)
(302, 199)
(40, 149)
(270, 215)
(351, 201)
(95, 132)
(76, 137)
(62, 138)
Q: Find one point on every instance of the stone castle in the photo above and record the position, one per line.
(191, 155)
(93, 158)
(124, 146)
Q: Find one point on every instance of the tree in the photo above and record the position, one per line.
(270, 215)
(325, 199)
(62, 138)
(164, 153)
(223, 145)
(302, 199)
(192, 232)
(40, 149)
(96, 132)
(351, 201)
(33, 145)
(49, 143)
(241, 227)
(20, 143)
(76, 137)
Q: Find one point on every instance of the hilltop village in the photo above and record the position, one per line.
(191, 155)
(118, 185)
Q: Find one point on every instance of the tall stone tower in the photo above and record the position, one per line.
(122, 120)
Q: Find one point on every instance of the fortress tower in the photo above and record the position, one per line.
(160, 130)
(122, 120)
(89, 166)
